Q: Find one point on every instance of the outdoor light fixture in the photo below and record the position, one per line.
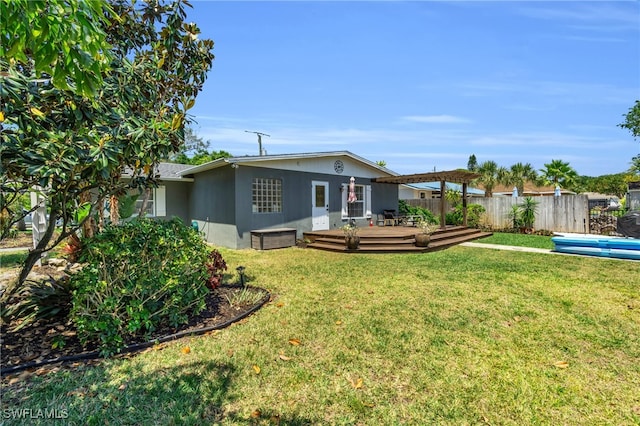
(240, 270)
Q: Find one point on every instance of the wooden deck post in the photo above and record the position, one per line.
(464, 204)
(443, 209)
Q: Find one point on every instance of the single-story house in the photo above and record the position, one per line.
(425, 190)
(230, 197)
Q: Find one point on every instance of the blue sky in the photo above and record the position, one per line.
(423, 85)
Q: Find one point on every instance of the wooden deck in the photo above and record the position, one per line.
(392, 239)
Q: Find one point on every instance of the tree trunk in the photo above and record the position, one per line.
(31, 260)
(88, 226)
(114, 213)
(145, 201)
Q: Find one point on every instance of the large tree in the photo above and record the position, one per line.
(632, 120)
(73, 145)
(614, 184)
(559, 173)
(472, 164)
(632, 123)
(64, 41)
(196, 150)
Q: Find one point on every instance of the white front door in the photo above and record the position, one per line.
(319, 206)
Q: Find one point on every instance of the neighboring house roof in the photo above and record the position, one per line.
(592, 196)
(435, 186)
(529, 189)
(461, 176)
(257, 159)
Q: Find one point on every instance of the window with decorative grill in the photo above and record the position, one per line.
(267, 195)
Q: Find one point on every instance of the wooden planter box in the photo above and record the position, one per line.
(266, 239)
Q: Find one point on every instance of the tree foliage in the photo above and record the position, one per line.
(613, 184)
(558, 173)
(490, 174)
(632, 123)
(472, 164)
(632, 120)
(518, 174)
(69, 145)
(61, 40)
(196, 151)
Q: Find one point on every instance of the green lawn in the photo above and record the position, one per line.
(520, 240)
(461, 336)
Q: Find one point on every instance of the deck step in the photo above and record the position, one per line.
(402, 241)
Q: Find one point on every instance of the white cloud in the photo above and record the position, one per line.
(435, 119)
(599, 15)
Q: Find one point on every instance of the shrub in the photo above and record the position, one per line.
(408, 210)
(215, 266)
(39, 300)
(474, 213)
(137, 277)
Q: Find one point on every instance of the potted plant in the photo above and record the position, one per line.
(424, 236)
(351, 238)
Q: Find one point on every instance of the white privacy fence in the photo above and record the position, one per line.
(568, 213)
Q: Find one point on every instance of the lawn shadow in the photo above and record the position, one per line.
(129, 392)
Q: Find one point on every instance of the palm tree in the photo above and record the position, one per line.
(559, 173)
(518, 174)
(489, 176)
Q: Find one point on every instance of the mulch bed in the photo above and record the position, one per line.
(34, 343)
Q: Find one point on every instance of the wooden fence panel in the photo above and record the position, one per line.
(569, 213)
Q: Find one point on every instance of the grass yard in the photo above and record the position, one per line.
(460, 336)
(520, 240)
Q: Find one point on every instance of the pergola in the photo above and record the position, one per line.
(456, 176)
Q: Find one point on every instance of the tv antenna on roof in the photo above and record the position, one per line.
(260, 135)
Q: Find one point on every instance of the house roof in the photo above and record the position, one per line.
(167, 172)
(458, 176)
(256, 159)
(597, 196)
(171, 171)
(435, 186)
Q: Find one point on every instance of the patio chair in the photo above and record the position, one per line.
(380, 219)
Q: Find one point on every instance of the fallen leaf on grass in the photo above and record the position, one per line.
(122, 386)
(338, 322)
(256, 414)
(284, 357)
(186, 350)
(294, 342)
(279, 305)
(561, 364)
(159, 346)
(357, 384)
(256, 369)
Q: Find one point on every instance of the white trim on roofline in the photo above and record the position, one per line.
(279, 157)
